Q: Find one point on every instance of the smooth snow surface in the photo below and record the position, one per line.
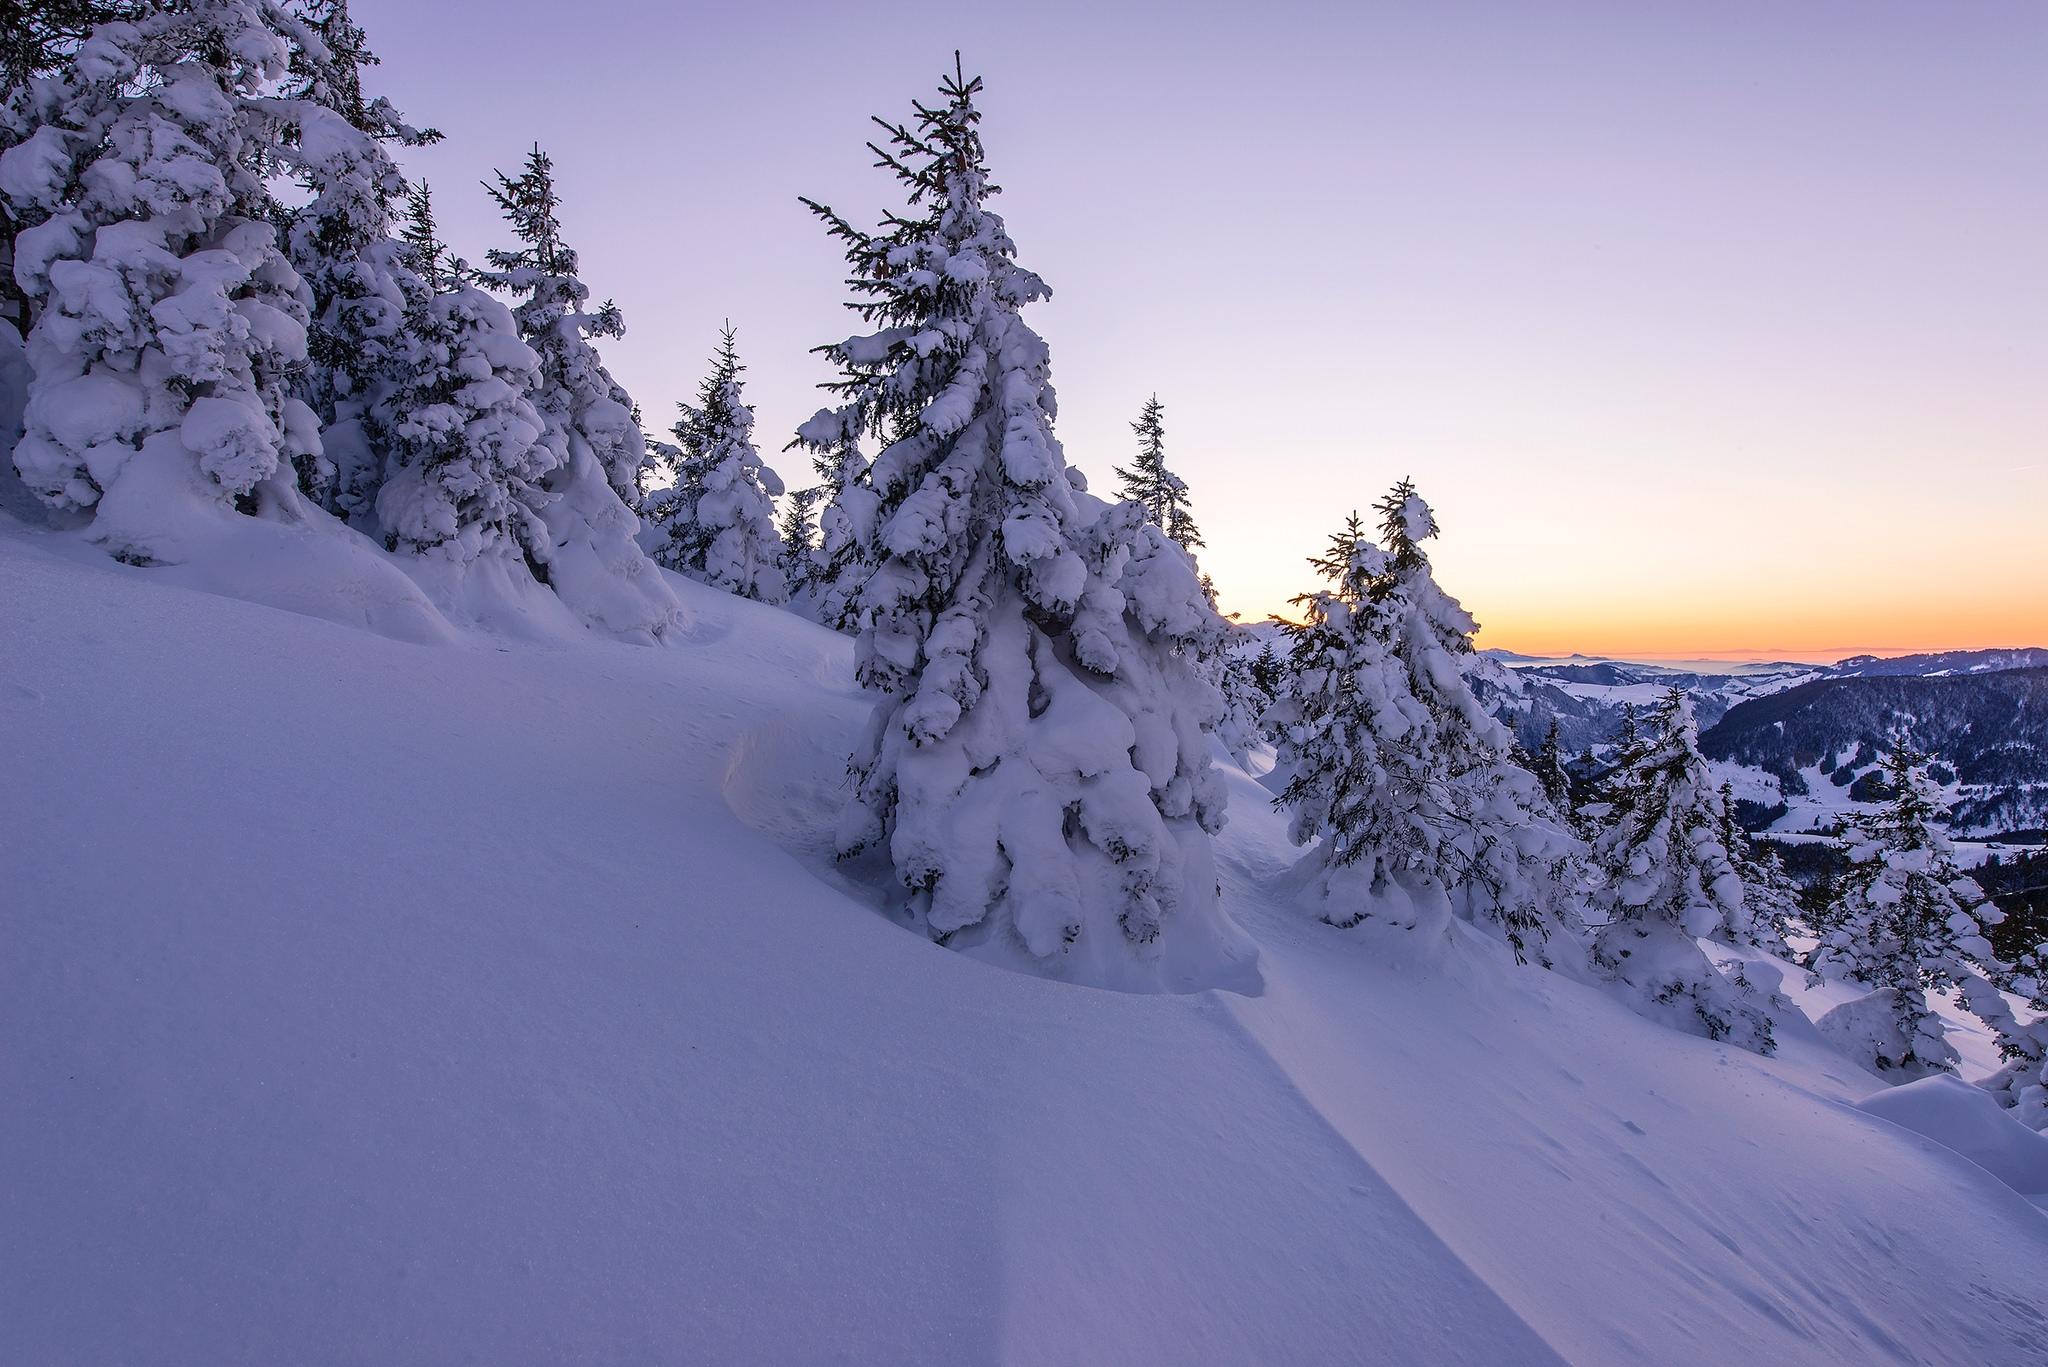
(498, 1002)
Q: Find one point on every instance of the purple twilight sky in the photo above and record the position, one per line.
(1708, 328)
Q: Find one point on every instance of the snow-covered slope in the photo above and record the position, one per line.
(369, 1001)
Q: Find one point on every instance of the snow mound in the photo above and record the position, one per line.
(789, 781)
(1866, 1027)
(298, 559)
(1964, 1117)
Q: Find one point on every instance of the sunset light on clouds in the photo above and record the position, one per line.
(1708, 330)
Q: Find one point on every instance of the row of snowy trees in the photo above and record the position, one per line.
(1417, 800)
(1414, 797)
(203, 350)
(1901, 921)
(1045, 663)
(200, 348)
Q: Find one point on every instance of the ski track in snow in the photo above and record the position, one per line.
(369, 1001)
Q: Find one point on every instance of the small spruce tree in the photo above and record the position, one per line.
(1396, 768)
(847, 552)
(1670, 882)
(1767, 890)
(798, 532)
(419, 243)
(1550, 771)
(717, 524)
(1903, 919)
(1267, 670)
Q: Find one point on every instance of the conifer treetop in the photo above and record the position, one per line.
(1148, 483)
(531, 205)
(420, 245)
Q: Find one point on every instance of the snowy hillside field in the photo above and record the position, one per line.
(499, 1001)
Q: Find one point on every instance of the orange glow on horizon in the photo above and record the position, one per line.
(1816, 623)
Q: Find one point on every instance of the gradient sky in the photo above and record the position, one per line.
(1709, 329)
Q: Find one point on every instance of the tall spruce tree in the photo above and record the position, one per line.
(341, 244)
(1396, 768)
(169, 321)
(1035, 768)
(1162, 493)
(595, 565)
(1671, 882)
(577, 395)
(468, 455)
(717, 524)
(1903, 919)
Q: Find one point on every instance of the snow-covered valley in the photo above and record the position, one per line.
(499, 1001)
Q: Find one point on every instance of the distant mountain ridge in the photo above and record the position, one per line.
(1981, 714)
(1987, 728)
(1942, 662)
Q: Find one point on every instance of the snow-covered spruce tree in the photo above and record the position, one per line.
(1396, 768)
(420, 249)
(846, 553)
(34, 43)
(595, 564)
(1670, 883)
(1903, 919)
(341, 244)
(1163, 496)
(1244, 701)
(1615, 789)
(1550, 772)
(2021, 1086)
(1767, 890)
(1267, 670)
(168, 319)
(1035, 767)
(578, 396)
(1340, 692)
(463, 475)
(717, 524)
(38, 41)
(797, 530)
(1162, 493)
